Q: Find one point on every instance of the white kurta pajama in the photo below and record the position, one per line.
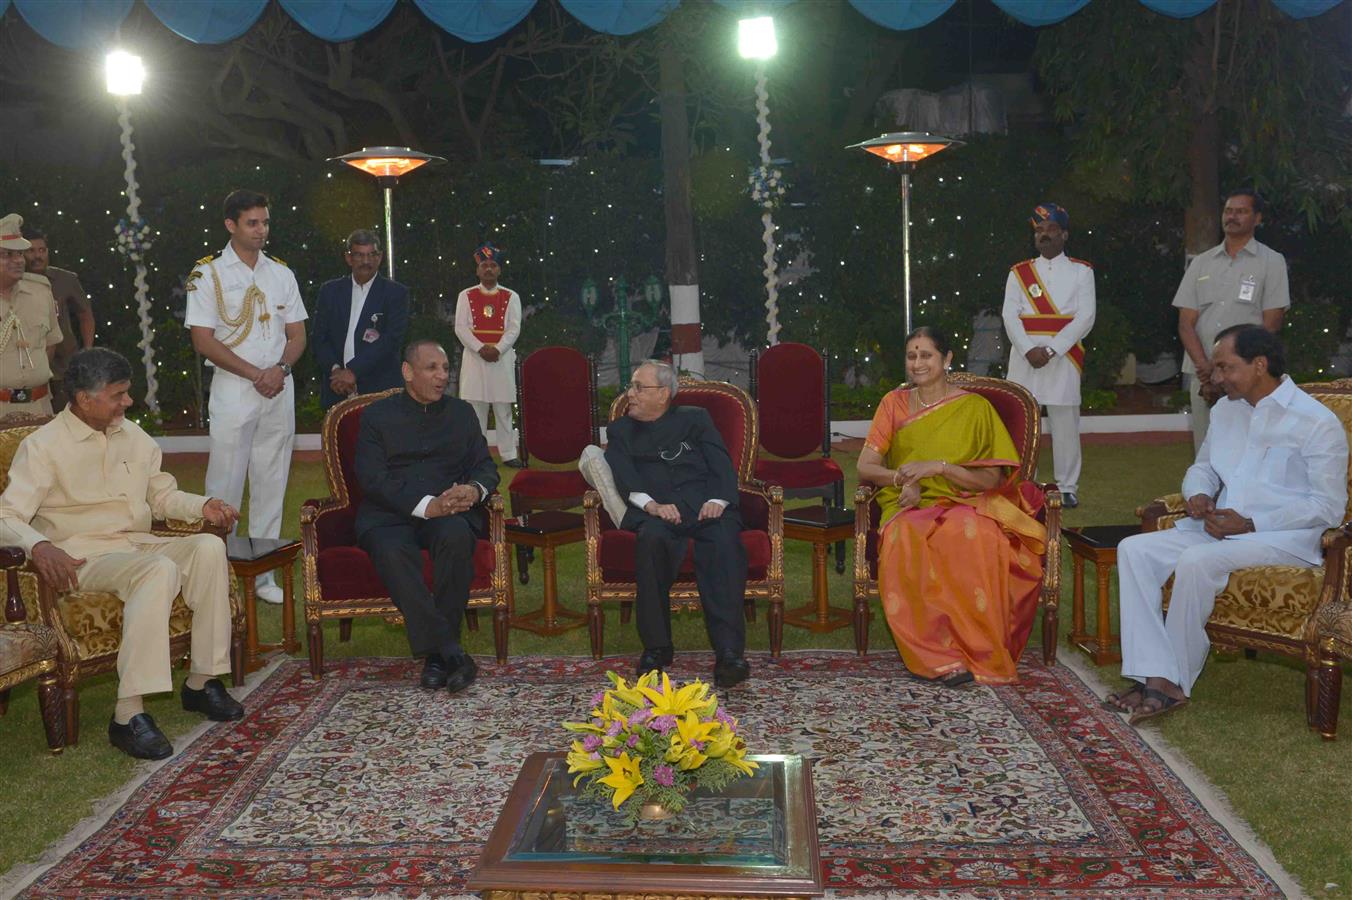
(251, 435)
(1070, 284)
(484, 383)
(1283, 464)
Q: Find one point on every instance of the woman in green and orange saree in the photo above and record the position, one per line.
(959, 549)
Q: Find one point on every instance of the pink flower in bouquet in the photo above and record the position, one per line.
(664, 775)
(591, 742)
(662, 724)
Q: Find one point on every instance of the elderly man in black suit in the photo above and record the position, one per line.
(672, 466)
(360, 323)
(425, 471)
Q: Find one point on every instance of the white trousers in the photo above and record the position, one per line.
(1175, 647)
(251, 437)
(1065, 428)
(502, 416)
(148, 579)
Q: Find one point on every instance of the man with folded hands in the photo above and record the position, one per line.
(672, 466)
(425, 471)
(82, 492)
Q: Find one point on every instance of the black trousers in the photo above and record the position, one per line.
(432, 618)
(720, 573)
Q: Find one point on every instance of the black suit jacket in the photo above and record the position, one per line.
(680, 458)
(376, 363)
(408, 450)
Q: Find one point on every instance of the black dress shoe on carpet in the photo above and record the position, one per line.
(212, 701)
(462, 676)
(140, 738)
(1069, 501)
(434, 672)
(657, 658)
(514, 463)
(731, 671)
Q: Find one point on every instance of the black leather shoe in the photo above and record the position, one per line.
(462, 676)
(1069, 501)
(731, 671)
(140, 738)
(515, 463)
(434, 672)
(657, 658)
(212, 701)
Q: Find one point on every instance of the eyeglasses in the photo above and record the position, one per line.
(374, 254)
(635, 386)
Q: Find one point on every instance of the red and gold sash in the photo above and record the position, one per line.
(489, 312)
(1046, 318)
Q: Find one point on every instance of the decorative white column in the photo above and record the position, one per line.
(769, 182)
(133, 246)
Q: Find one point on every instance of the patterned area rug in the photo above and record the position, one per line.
(363, 784)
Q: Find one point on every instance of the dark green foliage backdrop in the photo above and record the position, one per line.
(602, 218)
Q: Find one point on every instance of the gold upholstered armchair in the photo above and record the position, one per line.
(87, 625)
(1301, 612)
(28, 651)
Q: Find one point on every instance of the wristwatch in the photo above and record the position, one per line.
(286, 369)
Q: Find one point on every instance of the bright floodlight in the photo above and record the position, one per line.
(125, 73)
(756, 38)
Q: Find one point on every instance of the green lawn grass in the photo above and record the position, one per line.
(1245, 730)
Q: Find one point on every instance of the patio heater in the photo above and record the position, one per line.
(387, 164)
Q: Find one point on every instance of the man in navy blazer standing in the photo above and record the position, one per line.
(360, 325)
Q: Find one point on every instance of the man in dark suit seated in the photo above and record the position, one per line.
(672, 466)
(360, 323)
(424, 470)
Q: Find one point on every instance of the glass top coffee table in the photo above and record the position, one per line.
(755, 838)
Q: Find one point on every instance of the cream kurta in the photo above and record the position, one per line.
(90, 492)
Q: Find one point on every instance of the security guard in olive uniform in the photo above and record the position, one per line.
(28, 327)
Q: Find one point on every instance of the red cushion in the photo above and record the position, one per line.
(616, 555)
(557, 407)
(728, 415)
(791, 397)
(553, 485)
(799, 473)
(346, 573)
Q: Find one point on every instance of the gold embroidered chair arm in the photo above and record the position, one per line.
(1162, 512)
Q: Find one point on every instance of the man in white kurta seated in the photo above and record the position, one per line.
(488, 322)
(1270, 477)
(1049, 307)
(83, 490)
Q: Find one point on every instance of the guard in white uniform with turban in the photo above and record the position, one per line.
(488, 322)
(1049, 308)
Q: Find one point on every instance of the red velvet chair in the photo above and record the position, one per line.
(1019, 411)
(556, 406)
(791, 386)
(610, 550)
(340, 581)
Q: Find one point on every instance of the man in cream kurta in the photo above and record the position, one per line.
(488, 322)
(82, 492)
(1049, 364)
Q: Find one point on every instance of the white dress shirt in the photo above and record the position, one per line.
(359, 292)
(1282, 463)
(281, 306)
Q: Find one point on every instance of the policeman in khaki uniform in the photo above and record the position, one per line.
(28, 327)
(247, 319)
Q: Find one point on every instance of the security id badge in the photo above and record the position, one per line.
(1247, 286)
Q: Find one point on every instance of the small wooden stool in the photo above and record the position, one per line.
(1097, 544)
(823, 526)
(249, 558)
(546, 530)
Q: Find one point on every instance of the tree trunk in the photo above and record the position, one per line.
(1201, 218)
(682, 271)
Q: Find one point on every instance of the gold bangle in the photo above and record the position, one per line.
(895, 476)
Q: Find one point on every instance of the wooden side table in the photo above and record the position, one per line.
(823, 526)
(249, 558)
(546, 530)
(1096, 544)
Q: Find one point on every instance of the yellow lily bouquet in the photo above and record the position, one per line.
(651, 742)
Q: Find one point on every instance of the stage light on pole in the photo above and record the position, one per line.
(906, 149)
(124, 73)
(756, 38)
(387, 164)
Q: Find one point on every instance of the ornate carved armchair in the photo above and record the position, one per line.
(1296, 611)
(610, 549)
(1019, 411)
(88, 624)
(791, 387)
(340, 581)
(556, 402)
(28, 650)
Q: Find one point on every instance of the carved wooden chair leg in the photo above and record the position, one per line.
(316, 648)
(472, 619)
(596, 626)
(70, 699)
(500, 624)
(838, 500)
(345, 630)
(53, 715)
(237, 672)
(626, 610)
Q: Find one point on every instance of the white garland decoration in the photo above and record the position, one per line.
(147, 342)
(767, 221)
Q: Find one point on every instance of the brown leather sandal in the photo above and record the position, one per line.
(1166, 705)
(1114, 702)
